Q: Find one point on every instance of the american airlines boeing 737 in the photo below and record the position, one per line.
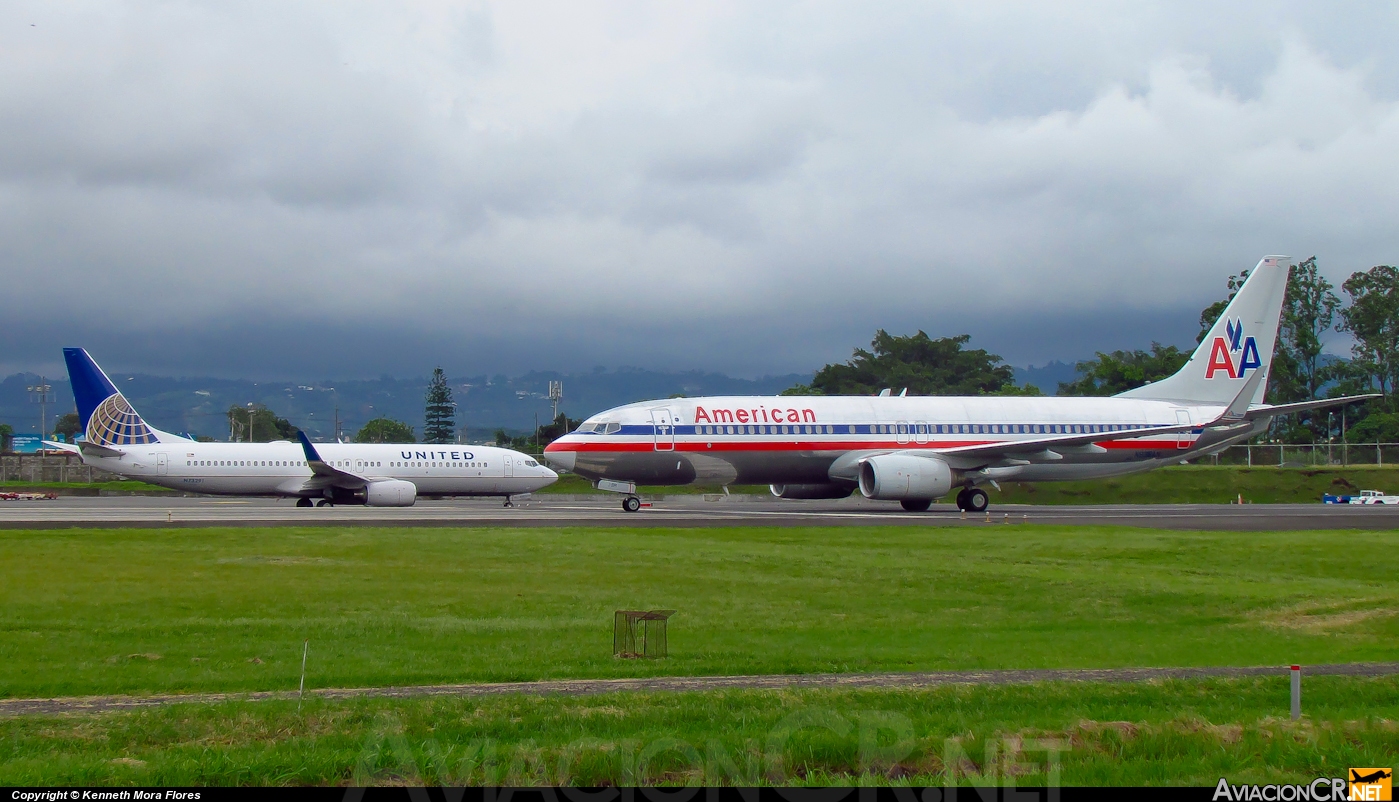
(915, 450)
(116, 439)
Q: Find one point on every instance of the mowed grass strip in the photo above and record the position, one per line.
(1167, 733)
(138, 611)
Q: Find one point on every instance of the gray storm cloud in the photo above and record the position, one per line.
(325, 188)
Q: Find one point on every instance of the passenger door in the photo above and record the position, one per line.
(920, 431)
(664, 423)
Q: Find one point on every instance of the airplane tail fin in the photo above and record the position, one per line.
(104, 413)
(1239, 345)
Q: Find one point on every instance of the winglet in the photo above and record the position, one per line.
(1238, 408)
(310, 450)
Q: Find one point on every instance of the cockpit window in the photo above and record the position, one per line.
(584, 428)
(613, 428)
(531, 463)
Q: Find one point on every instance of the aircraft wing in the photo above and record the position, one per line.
(1302, 406)
(325, 474)
(1043, 449)
(1052, 448)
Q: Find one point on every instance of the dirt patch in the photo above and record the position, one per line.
(1329, 618)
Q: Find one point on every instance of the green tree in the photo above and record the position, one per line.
(258, 424)
(1120, 371)
(918, 363)
(440, 419)
(561, 426)
(385, 430)
(1309, 312)
(7, 434)
(1373, 319)
(68, 426)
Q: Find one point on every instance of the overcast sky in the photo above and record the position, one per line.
(328, 189)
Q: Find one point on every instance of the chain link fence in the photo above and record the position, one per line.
(1288, 455)
(38, 468)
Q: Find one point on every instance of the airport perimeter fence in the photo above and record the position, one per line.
(37, 468)
(1288, 455)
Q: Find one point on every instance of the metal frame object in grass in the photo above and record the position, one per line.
(640, 633)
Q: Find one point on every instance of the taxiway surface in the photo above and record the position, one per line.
(683, 511)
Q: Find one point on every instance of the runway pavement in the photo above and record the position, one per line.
(673, 511)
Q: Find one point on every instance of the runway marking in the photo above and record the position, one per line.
(582, 687)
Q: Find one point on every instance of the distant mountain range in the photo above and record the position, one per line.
(199, 406)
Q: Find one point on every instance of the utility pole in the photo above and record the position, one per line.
(39, 394)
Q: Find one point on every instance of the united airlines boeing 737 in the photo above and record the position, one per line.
(918, 449)
(116, 439)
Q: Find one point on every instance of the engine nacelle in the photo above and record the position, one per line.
(895, 477)
(828, 490)
(390, 493)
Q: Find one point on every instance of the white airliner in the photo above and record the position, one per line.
(116, 439)
(918, 449)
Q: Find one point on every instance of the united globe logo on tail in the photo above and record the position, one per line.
(1234, 354)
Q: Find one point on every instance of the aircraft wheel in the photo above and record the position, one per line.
(962, 499)
(325, 502)
(303, 502)
(977, 500)
(631, 504)
(916, 504)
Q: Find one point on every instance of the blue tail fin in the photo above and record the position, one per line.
(90, 385)
(106, 417)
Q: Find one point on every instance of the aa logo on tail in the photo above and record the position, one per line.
(1234, 354)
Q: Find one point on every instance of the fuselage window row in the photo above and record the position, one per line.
(941, 428)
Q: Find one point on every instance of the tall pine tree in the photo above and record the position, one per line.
(440, 420)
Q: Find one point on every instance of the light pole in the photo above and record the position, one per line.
(39, 394)
(1330, 438)
(248, 436)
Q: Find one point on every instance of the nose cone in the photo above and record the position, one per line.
(560, 455)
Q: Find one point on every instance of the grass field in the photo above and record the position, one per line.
(1183, 484)
(1171, 733)
(104, 611)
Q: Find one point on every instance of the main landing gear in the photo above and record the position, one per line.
(303, 502)
(631, 504)
(972, 499)
(325, 502)
(916, 504)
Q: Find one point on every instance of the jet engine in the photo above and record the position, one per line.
(828, 490)
(896, 477)
(390, 493)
